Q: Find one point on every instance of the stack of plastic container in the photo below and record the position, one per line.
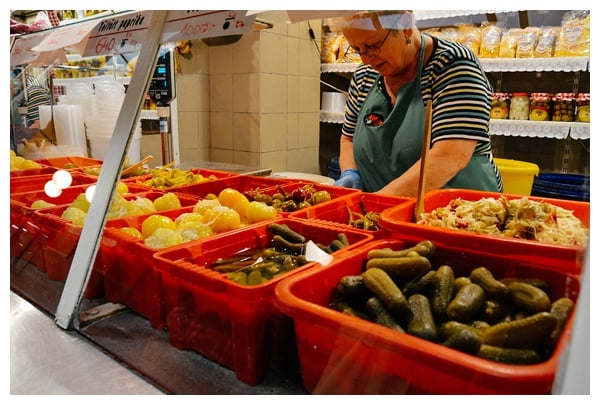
(109, 96)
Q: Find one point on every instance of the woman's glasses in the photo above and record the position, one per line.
(370, 50)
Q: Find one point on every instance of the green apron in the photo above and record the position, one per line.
(387, 140)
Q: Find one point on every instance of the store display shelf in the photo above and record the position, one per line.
(332, 117)
(540, 129)
(90, 79)
(421, 15)
(148, 115)
(567, 64)
(338, 67)
(532, 129)
(555, 64)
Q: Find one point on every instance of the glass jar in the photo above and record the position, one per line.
(540, 107)
(500, 106)
(519, 106)
(582, 113)
(563, 107)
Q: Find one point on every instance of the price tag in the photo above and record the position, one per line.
(21, 51)
(119, 34)
(191, 24)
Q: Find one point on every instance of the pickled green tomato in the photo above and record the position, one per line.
(259, 211)
(193, 230)
(132, 232)
(222, 219)
(75, 215)
(155, 222)
(169, 201)
(163, 238)
(189, 217)
(203, 205)
(81, 203)
(145, 204)
(232, 198)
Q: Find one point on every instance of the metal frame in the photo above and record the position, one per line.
(83, 261)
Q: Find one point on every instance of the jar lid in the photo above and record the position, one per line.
(583, 96)
(520, 94)
(564, 96)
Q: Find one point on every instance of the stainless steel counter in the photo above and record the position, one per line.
(46, 359)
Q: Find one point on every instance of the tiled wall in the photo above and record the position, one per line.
(254, 102)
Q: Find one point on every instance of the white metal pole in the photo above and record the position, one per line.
(87, 248)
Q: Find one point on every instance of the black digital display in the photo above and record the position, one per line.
(162, 86)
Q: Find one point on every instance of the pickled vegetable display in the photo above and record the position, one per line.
(510, 320)
(301, 197)
(20, 163)
(167, 176)
(518, 218)
(285, 252)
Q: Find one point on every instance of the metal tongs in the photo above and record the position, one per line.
(419, 207)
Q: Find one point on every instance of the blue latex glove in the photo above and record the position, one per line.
(349, 178)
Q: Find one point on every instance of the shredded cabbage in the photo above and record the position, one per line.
(519, 218)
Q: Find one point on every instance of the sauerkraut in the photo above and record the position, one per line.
(518, 218)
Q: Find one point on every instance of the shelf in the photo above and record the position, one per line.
(338, 67)
(571, 64)
(125, 80)
(540, 129)
(149, 115)
(421, 15)
(531, 129)
(332, 117)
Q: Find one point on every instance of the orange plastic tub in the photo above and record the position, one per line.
(394, 219)
(233, 324)
(61, 237)
(342, 354)
(208, 175)
(295, 185)
(242, 183)
(342, 210)
(22, 184)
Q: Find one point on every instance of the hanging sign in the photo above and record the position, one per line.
(21, 52)
(65, 36)
(123, 33)
(126, 32)
(191, 24)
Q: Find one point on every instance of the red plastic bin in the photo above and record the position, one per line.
(60, 162)
(24, 184)
(130, 274)
(234, 324)
(241, 183)
(34, 171)
(341, 354)
(61, 238)
(339, 209)
(394, 219)
(26, 238)
(209, 175)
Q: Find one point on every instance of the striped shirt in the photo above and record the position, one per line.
(455, 82)
(37, 95)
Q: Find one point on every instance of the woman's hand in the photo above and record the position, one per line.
(349, 178)
(446, 159)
